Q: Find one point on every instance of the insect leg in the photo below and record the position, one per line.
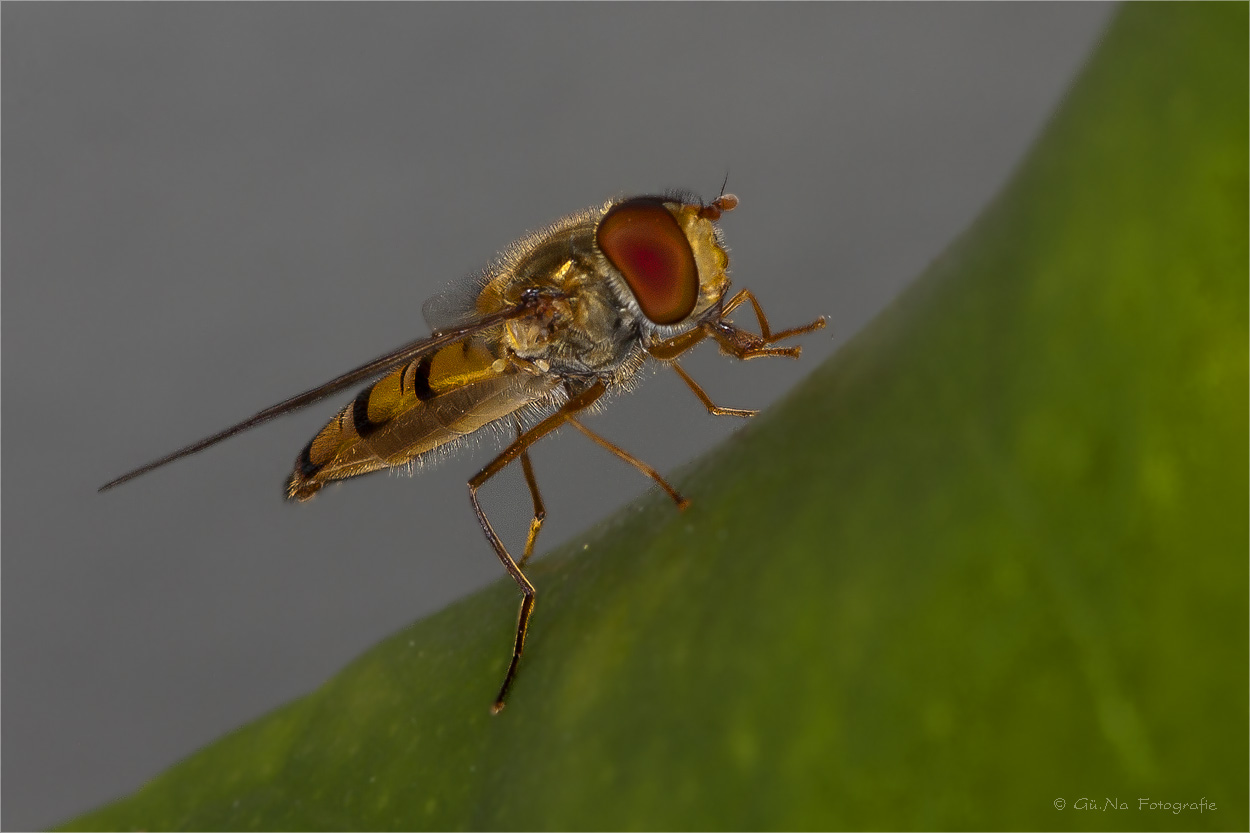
(743, 344)
(672, 348)
(681, 502)
(711, 406)
(734, 341)
(518, 447)
(768, 336)
(540, 511)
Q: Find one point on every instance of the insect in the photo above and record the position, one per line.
(563, 317)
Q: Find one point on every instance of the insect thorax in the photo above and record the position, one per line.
(585, 327)
(591, 325)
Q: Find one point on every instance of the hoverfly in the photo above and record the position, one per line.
(564, 316)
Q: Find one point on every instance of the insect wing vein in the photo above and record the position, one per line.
(402, 355)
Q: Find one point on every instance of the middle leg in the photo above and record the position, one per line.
(681, 502)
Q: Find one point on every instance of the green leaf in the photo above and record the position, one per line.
(992, 555)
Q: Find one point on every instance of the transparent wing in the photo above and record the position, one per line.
(455, 306)
(377, 367)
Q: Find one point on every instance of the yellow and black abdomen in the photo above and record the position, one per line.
(414, 409)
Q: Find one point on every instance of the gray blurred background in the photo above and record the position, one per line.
(207, 208)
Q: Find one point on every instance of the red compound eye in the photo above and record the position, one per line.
(643, 241)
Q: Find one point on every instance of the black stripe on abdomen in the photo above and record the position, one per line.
(360, 405)
(360, 414)
(421, 379)
(304, 463)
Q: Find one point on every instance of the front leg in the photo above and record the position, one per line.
(743, 344)
(734, 341)
(712, 407)
(767, 336)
